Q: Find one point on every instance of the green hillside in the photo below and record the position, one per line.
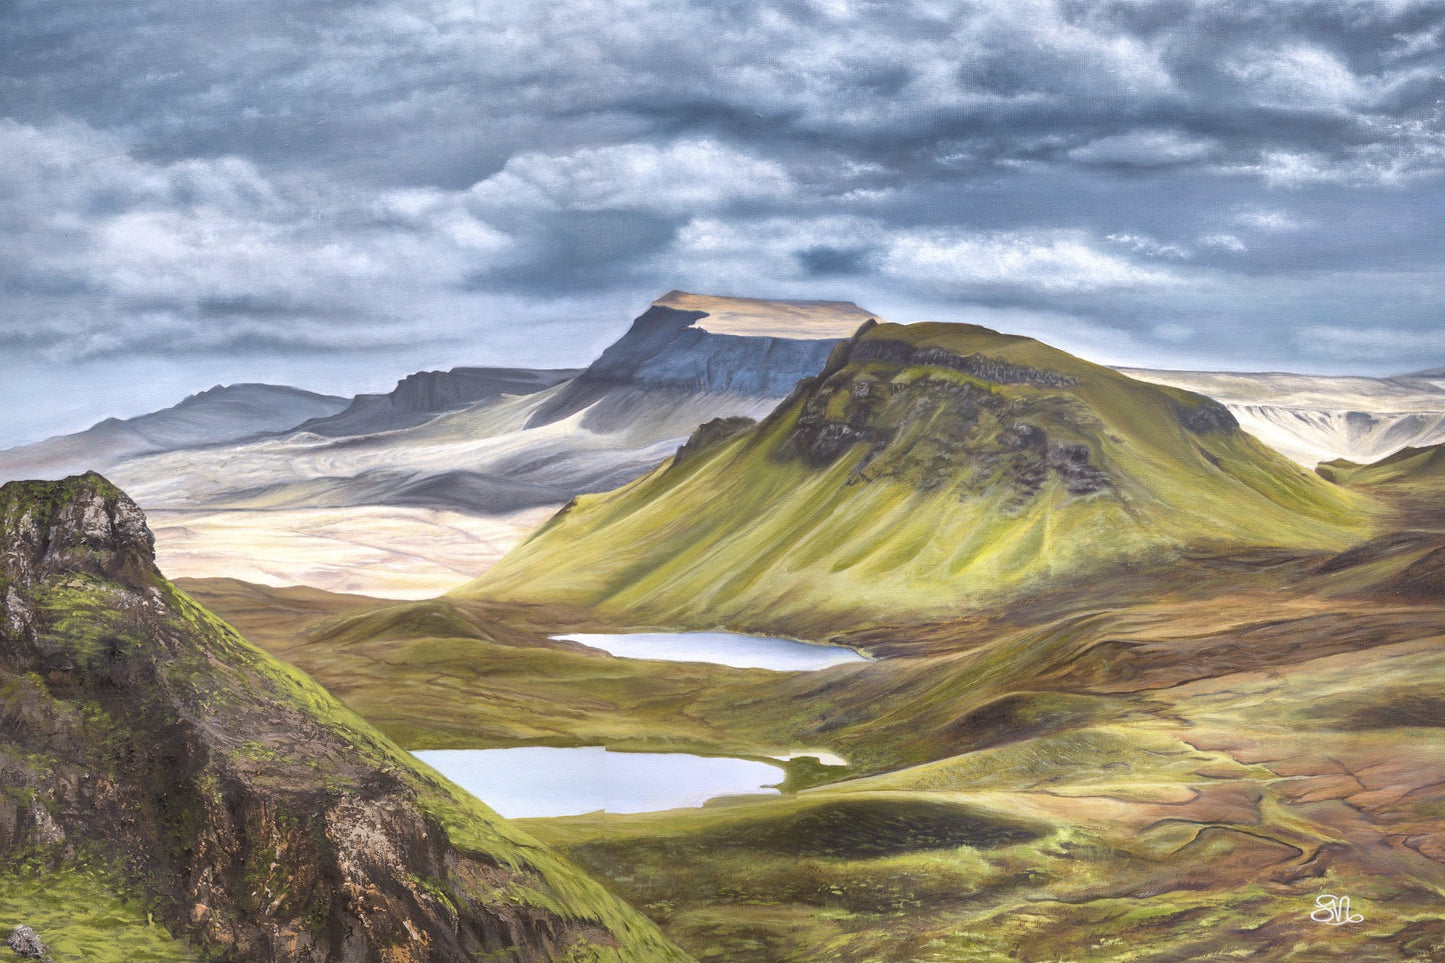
(928, 468)
(1412, 480)
(199, 798)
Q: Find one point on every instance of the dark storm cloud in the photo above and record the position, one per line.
(1255, 183)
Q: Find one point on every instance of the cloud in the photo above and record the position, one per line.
(1144, 148)
(104, 253)
(1053, 262)
(1374, 343)
(685, 176)
(287, 179)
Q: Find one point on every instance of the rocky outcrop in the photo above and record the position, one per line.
(26, 943)
(937, 434)
(237, 799)
(709, 434)
(419, 397)
(976, 365)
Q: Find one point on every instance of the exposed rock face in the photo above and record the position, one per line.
(665, 351)
(248, 807)
(978, 365)
(939, 433)
(709, 434)
(1206, 417)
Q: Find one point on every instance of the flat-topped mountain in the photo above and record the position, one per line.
(926, 466)
(153, 760)
(220, 415)
(699, 345)
(764, 318)
(1318, 418)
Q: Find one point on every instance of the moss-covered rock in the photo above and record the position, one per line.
(259, 819)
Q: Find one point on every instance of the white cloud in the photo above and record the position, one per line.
(1047, 261)
(683, 176)
(1225, 242)
(1272, 220)
(1144, 148)
(1141, 244)
(1300, 75)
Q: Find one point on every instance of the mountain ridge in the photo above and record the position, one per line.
(219, 415)
(926, 464)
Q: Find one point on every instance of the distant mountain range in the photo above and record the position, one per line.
(221, 415)
(506, 443)
(1317, 418)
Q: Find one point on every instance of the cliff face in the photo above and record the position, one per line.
(231, 794)
(667, 351)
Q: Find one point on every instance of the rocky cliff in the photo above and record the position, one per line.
(144, 742)
(670, 349)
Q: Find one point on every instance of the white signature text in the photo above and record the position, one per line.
(1334, 911)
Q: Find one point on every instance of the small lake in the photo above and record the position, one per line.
(544, 781)
(720, 648)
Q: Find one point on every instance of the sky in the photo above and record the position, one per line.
(333, 194)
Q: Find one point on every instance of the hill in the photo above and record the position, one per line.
(928, 466)
(219, 415)
(1412, 480)
(421, 396)
(158, 768)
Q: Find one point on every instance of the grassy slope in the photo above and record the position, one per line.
(544, 880)
(210, 667)
(743, 535)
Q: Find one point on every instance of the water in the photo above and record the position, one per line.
(720, 648)
(543, 781)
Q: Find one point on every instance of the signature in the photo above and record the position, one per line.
(1334, 911)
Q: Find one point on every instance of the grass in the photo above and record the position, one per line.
(925, 513)
(83, 916)
(1156, 767)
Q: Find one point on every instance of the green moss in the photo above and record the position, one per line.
(82, 916)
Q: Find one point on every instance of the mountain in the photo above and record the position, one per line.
(156, 765)
(220, 415)
(688, 359)
(488, 441)
(419, 397)
(926, 467)
(1316, 418)
(691, 345)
